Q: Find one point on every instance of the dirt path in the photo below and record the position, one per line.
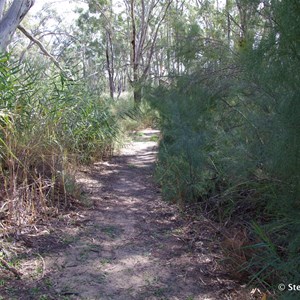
(129, 245)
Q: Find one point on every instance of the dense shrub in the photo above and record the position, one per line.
(231, 144)
(48, 124)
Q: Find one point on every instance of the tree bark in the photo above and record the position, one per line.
(137, 93)
(228, 22)
(143, 42)
(110, 64)
(11, 19)
(2, 8)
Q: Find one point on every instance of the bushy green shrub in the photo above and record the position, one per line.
(231, 143)
(273, 66)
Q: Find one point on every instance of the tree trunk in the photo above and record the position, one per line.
(109, 71)
(2, 8)
(110, 64)
(11, 19)
(228, 22)
(137, 94)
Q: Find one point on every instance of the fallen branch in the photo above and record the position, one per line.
(11, 269)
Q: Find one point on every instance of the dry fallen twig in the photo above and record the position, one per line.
(11, 269)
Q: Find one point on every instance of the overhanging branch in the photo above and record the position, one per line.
(40, 45)
(43, 49)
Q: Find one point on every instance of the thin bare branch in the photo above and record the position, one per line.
(42, 48)
(9, 268)
(155, 38)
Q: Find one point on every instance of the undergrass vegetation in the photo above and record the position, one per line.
(48, 126)
(132, 117)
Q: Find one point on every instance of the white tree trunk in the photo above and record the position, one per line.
(10, 20)
(2, 7)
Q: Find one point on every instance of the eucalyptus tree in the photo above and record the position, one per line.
(104, 31)
(127, 34)
(146, 19)
(10, 18)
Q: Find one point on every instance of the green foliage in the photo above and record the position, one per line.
(47, 126)
(228, 113)
(134, 118)
(231, 139)
(275, 71)
(185, 174)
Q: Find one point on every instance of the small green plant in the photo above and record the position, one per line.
(48, 282)
(105, 261)
(35, 290)
(154, 138)
(2, 282)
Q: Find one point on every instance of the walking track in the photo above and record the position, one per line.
(128, 245)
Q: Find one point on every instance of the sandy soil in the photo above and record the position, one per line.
(128, 245)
